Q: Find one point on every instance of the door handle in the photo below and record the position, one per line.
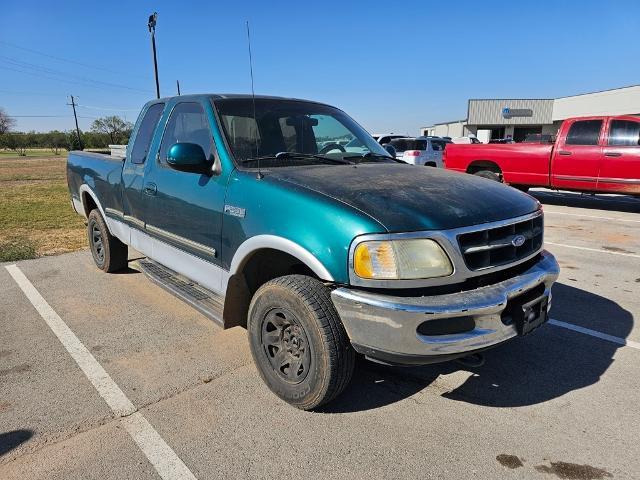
(612, 154)
(150, 189)
(564, 152)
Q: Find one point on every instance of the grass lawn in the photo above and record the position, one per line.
(36, 217)
(33, 152)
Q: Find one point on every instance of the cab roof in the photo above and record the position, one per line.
(224, 96)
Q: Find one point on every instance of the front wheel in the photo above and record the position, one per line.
(298, 342)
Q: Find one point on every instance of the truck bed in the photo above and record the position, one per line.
(100, 172)
(520, 163)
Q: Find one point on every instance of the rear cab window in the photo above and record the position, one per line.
(624, 133)
(584, 132)
(148, 125)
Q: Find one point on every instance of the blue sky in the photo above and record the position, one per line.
(394, 66)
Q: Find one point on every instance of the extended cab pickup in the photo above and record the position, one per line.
(253, 212)
(591, 154)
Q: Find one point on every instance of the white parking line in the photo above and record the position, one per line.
(160, 455)
(616, 219)
(595, 333)
(599, 250)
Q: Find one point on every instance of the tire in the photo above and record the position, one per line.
(489, 174)
(522, 188)
(109, 253)
(294, 315)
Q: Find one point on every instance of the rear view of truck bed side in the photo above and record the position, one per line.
(98, 173)
(515, 164)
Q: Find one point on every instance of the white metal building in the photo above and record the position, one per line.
(515, 118)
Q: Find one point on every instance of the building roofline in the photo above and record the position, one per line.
(445, 123)
(600, 91)
(529, 99)
(507, 99)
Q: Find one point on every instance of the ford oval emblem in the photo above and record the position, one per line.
(518, 240)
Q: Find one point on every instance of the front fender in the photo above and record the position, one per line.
(253, 244)
(310, 226)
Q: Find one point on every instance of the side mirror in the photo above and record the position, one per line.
(390, 149)
(188, 157)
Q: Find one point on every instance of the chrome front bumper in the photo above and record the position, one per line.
(385, 327)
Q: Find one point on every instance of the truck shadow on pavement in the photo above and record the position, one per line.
(547, 364)
(618, 203)
(13, 439)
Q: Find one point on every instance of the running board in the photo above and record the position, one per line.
(205, 301)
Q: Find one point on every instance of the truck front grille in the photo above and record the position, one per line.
(501, 245)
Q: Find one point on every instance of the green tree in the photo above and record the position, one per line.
(15, 142)
(31, 139)
(56, 140)
(71, 140)
(117, 129)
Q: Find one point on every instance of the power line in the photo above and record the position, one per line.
(42, 75)
(48, 116)
(90, 107)
(11, 92)
(37, 116)
(62, 59)
(115, 109)
(13, 62)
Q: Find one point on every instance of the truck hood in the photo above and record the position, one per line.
(406, 198)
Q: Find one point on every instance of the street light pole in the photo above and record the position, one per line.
(152, 29)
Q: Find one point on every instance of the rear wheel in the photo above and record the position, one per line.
(298, 342)
(488, 174)
(522, 188)
(109, 253)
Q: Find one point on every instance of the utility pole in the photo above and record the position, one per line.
(178, 85)
(75, 115)
(152, 29)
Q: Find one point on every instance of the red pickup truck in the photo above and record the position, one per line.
(591, 154)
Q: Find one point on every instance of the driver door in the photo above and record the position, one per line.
(183, 209)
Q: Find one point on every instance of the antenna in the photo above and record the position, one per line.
(253, 97)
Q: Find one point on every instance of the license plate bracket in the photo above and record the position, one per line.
(530, 315)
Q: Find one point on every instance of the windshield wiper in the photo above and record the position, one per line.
(296, 155)
(369, 155)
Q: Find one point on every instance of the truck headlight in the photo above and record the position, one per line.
(401, 259)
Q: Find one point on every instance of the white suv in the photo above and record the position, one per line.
(384, 138)
(420, 150)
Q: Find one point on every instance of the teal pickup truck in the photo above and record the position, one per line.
(286, 217)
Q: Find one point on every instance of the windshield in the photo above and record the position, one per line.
(295, 127)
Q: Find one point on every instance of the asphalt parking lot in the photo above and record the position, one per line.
(560, 403)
